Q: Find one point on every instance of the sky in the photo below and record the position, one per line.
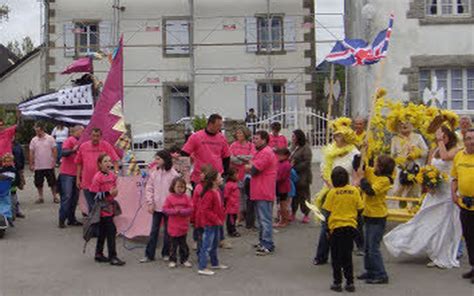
(25, 17)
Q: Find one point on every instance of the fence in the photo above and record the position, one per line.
(312, 122)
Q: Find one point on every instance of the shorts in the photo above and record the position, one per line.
(47, 174)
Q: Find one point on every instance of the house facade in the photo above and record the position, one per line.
(185, 58)
(431, 46)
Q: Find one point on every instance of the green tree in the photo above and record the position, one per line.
(20, 50)
(27, 45)
(14, 47)
(4, 12)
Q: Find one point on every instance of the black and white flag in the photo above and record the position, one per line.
(70, 105)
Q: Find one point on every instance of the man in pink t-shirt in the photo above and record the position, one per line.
(277, 141)
(208, 146)
(86, 160)
(263, 169)
(67, 179)
(7, 134)
(42, 157)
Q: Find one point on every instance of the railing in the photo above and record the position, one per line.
(312, 122)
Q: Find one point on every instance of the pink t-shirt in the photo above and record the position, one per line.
(263, 184)
(6, 139)
(179, 209)
(278, 142)
(232, 198)
(206, 149)
(236, 149)
(68, 166)
(87, 156)
(104, 183)
(42, 149)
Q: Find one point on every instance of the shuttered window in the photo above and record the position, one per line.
(176, 37)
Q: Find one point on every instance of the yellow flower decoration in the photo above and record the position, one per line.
(342, 126)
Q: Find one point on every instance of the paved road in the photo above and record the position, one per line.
(37, 258)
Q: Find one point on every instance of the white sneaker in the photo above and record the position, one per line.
(194, 246)
(225, 245)
(166, 258)
(145, 260)
(220, 266)
(431, 264)
(188, 264)
(206, 272)
(172, 265)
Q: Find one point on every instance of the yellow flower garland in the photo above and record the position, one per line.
(330, 152)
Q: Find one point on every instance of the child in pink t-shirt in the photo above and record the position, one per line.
(232, 202)
(283, 186)
(179, 208)
(104, 187)
(277, 141)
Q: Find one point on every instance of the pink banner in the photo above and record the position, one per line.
(135, 219)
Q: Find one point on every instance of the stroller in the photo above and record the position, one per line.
(5, 204)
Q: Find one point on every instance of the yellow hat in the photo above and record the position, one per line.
(342, 126)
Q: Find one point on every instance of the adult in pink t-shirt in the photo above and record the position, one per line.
(263, 169)
(208, 146)
(276, 140)
(241, 151)
(67, 179)
(42, 159)
(7, 134)
(86, 161)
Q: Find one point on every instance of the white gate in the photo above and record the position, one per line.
(312, 122)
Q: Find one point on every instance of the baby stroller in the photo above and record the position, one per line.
(5, 204)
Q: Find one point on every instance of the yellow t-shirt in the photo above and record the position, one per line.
(375, 206)
(343, 203)
(359, 139)
(463, 171)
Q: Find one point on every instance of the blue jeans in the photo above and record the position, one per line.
(264, 213)
(154, 233)
(373, 261)
(90, 198)
(59, 146)
(322, 250)
(69, 197)
(210, 242)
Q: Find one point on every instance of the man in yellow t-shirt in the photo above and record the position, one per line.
(462, 193)
(343, 204)
(359, 129)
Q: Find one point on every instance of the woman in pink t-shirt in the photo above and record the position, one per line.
(277, 141)
(104, 187)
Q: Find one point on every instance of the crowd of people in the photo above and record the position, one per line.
(257, 175)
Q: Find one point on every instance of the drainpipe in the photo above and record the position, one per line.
(192, 64)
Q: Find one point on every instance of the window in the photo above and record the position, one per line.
(270, 98)
(458, 84)
(87, 38)
(176, 37)
(178, 102)
(447, 7)
(270, 33)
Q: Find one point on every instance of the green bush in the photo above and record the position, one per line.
(199, 123)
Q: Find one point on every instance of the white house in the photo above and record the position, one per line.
(185, 57)
(432, 41)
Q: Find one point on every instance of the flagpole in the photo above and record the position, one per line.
(331, 98)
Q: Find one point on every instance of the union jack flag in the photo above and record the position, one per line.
(353, 52)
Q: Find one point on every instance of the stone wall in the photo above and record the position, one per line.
(174, 134)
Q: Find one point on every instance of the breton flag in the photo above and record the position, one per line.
(354, 52)
(70, 106)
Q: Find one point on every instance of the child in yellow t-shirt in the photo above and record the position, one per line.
(375, 185)
(343, 205)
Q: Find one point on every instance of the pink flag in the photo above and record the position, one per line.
(108, 114)
(80, 65)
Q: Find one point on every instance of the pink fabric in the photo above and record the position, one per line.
(179, 209)
(263, 184)
(79, 66)
(43, 152)
(211, 212)
(237, 149)
(104, 183)
(87, 156)
(6, 140)
(232, 198)
(112, 93)
(277, 142)
(157, 187)
(68, 165)
(206, 149)
(196, 205)
(283, 177)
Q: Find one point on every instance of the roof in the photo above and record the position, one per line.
(19, 62)
(7, 58)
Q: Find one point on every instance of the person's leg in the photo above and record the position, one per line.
(264, 209)
(90, 199)
(214, 246)
(39, 180)
(153, 239)
(359, 235)
(198, 232)
(376, 268)
(322, 250)
(51, 179)
(14, 205)
(71, 216)
(294, 205)
(347, 244)
(228, 224)
(59, 147)
(173, 248)
(335, 246)
(111, 234)
(207, 240)
(99, 249)
(183, 249)
(250, 217)
(467, 223)
(66, 198)
(304, 196)
(165, 251)
(284, 213)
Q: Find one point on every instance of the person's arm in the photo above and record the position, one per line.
(168, 209)
(31, 159)
(55, 153)
(305, 161)
(366, 187)
(454, 191)
(78, 175)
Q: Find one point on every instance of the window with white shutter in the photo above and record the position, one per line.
(86, 38)
(251, 34)
(106, 39)
(251, 97)
(176, 36)
(289, 30)
(291, 101)
(269, 33)
(69, 40)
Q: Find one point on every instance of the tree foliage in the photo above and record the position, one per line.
(20, 50)
(4, 12)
